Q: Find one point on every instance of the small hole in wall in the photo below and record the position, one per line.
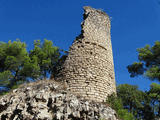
(78, 46)
(87, 42)
(91, 53)
(108, 84)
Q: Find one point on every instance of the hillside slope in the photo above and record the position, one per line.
(49, 100)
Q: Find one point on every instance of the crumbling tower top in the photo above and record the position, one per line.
(96, 23)
(89, 69)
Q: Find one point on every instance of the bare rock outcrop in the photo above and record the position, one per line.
(48, 100)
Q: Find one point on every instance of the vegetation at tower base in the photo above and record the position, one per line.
(116, 103)
(131, 103)
(17, 65)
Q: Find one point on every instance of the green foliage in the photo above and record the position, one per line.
(131, 103)
(114, 102)
(137, 102)
(131, 96)
(154, 94)
(149, 62)
(136, 69)
(117, 105)
(12, 58)
(31, 68)
(125, 115)
(3, 93)
(58, 66)
(5, 77)
(18, 66)
(46, 55)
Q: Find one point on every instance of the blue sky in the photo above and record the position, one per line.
(135, 23)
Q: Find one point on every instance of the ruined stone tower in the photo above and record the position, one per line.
(89, 69)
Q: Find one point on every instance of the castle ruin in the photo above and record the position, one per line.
(89, 69)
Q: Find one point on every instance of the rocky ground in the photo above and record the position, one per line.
(48, 100)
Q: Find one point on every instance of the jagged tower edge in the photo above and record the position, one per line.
(89, 69)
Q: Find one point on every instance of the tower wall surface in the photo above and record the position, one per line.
(88, 69)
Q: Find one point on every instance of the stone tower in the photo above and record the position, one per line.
(88, 69)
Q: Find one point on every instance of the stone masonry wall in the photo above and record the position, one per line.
(88, 69)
